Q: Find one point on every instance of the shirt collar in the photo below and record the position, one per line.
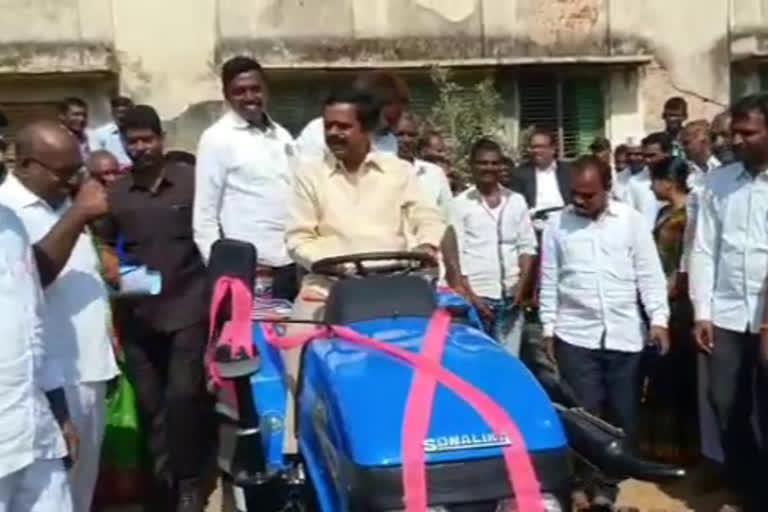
(237, 121)
(373, 160)
(746, 175)
(24, 197)
(420, 165)
(612, 210)
(551, 168)
(474, 194)
(153, 188)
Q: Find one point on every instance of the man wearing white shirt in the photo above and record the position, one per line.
(390, 90)
(244, 173)
(656, 147)
(77, 304)
(544, 181)
(697, 144)
(32, 474)
(633, 163)
(431, 177)
(596, 259)
(728, 270)
(497, 245)
(109, 136)
(73, 114)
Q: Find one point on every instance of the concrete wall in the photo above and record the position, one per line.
(167, 52)
(45, 36)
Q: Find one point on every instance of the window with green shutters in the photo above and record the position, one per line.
(297, 97)
(572, 107)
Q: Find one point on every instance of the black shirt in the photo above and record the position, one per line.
(151, 224)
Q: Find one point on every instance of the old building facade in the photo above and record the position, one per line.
(585, 67)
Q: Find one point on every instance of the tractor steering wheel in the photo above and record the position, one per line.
(406, 262)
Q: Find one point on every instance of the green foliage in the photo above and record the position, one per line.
(465, 112)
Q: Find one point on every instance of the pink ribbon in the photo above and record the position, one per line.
(427, 373)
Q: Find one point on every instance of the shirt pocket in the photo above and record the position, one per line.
(176, 220)
(578, 254)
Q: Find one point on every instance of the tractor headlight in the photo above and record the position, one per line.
(550, 502)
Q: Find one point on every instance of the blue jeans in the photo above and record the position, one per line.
(507, 325)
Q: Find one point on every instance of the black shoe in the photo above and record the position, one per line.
(190, 496)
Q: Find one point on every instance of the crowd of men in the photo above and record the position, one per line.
(638, 246)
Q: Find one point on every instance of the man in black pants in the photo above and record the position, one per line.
(728, 271)
(164, 336)
(596, 258)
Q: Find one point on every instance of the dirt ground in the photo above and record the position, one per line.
(684, 496)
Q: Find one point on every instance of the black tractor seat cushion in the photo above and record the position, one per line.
(369, 298)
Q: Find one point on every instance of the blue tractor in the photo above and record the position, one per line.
(350, 404)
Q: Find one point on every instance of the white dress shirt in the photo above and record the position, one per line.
(491, 240)
(620, 190)
(696, 186)
(547, 188)
(109, 138)
(311, 141)
(435, 184)
(29, 431)
(729, 262)
(642, 198)
(243, 178)
(591, 273)
(77, 300)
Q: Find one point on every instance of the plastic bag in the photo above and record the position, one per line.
(122, 477)
(122, 446)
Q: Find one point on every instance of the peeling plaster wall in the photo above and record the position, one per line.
(167, 52)
(43, 36)
(691, 52)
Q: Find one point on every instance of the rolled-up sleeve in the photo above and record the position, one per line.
(425, 220)
(651, 282)
(702, 263)
(550, 270)
(691, 211)
(526, 241)
(210, 175)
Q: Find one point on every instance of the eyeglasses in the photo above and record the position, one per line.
(75, 174)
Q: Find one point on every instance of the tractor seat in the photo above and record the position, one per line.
(369, 298)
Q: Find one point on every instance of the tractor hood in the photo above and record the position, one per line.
(364, 395)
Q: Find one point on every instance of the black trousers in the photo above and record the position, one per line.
(166, 369)
(606, 383)
(737, 389)
(286, 282)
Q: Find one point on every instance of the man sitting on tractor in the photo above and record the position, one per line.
(354, 200)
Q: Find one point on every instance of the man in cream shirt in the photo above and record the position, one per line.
(355, 200)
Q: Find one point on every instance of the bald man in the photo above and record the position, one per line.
(49, 169)
(103, 167)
